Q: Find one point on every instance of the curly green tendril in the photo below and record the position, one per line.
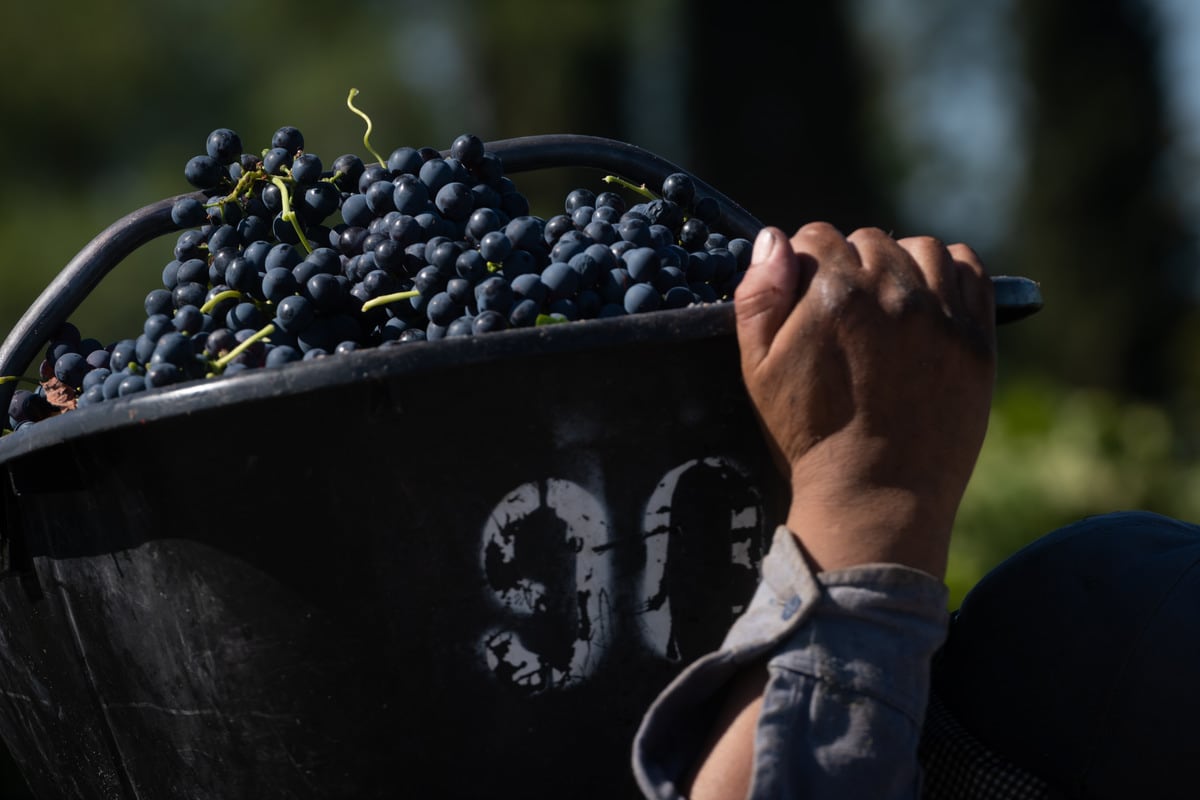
(367, 135)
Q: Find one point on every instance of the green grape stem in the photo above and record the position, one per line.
(243, 186)
(219, 298)
(290, 215)
(221, 363)
(367, 135)
(633, 187)
(384, 299)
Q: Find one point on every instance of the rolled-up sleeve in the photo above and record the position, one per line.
(847, 656)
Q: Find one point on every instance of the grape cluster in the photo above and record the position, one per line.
(427, 247)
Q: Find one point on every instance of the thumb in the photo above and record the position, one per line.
(766, 295)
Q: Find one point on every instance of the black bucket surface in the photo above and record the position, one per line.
(350, 577)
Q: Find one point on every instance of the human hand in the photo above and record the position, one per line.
(870, 363)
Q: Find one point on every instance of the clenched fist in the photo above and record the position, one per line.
(870, 363)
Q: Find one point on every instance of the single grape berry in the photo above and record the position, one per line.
(188, 212)
(288, 138)
(224, 146)
(203, 172)
(468, 149)
(679, 188)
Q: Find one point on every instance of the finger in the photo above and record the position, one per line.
(937, 271)
(828, 247)
(889, 268)
(766, 295)
(974, 286)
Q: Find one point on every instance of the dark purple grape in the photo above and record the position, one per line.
(190, 244)
(467, 148)
(163, 373)
(529, 286)
(463, 326)
(578, 198)
(642, 297)
(347, 170)
(379, 197)
(495, 247)
(472, 266)
(642, 263)
(494, 294)
(561, 280)
(275, 161)
(694, 234)
(159, 301)
(194, 270)
(203, 172)
(174, 348)
(188, 319)
(404, 160)
(635, 231)
(412, 335)
(307, 169)
(482, 222)
(489, 170)
(131, 384)
(112, 384)
(288, 138)
(245, 315)
(460, 291)
(278, 284)
(27, 406)
(435, 174)
(556, 226)
(489, 321)
(679, 188)
(442, 310)
(224, 146)
(95, 378)
(220, 342)
(601, 232)
(326, 293)
(98, 359)
(283, 354)
(318, 202)
(519, 262)
(524, 313)
(189, 294)
(187, 212)
(455, 201)
(525, 233)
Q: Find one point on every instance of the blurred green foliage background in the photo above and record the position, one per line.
(1058, 139)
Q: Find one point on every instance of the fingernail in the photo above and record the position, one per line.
(764, 245)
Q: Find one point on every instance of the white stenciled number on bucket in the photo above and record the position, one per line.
(690, 500)
(543, 558)
(549, 557)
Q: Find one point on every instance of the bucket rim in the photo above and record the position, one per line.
(714, 320)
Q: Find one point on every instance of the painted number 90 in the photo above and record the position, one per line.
(561, 580)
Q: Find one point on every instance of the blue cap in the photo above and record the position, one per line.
(1078, 658)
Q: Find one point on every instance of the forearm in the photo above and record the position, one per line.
(845, 690)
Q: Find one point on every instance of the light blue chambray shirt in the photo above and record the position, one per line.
(848, 663)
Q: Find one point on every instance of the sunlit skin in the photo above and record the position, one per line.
(870, 363)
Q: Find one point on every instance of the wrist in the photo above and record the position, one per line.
(872, 525)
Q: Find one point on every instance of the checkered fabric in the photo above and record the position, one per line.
(957, 766)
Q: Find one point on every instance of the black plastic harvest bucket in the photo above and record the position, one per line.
(453, 569)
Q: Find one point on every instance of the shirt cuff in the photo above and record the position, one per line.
(868, 630)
